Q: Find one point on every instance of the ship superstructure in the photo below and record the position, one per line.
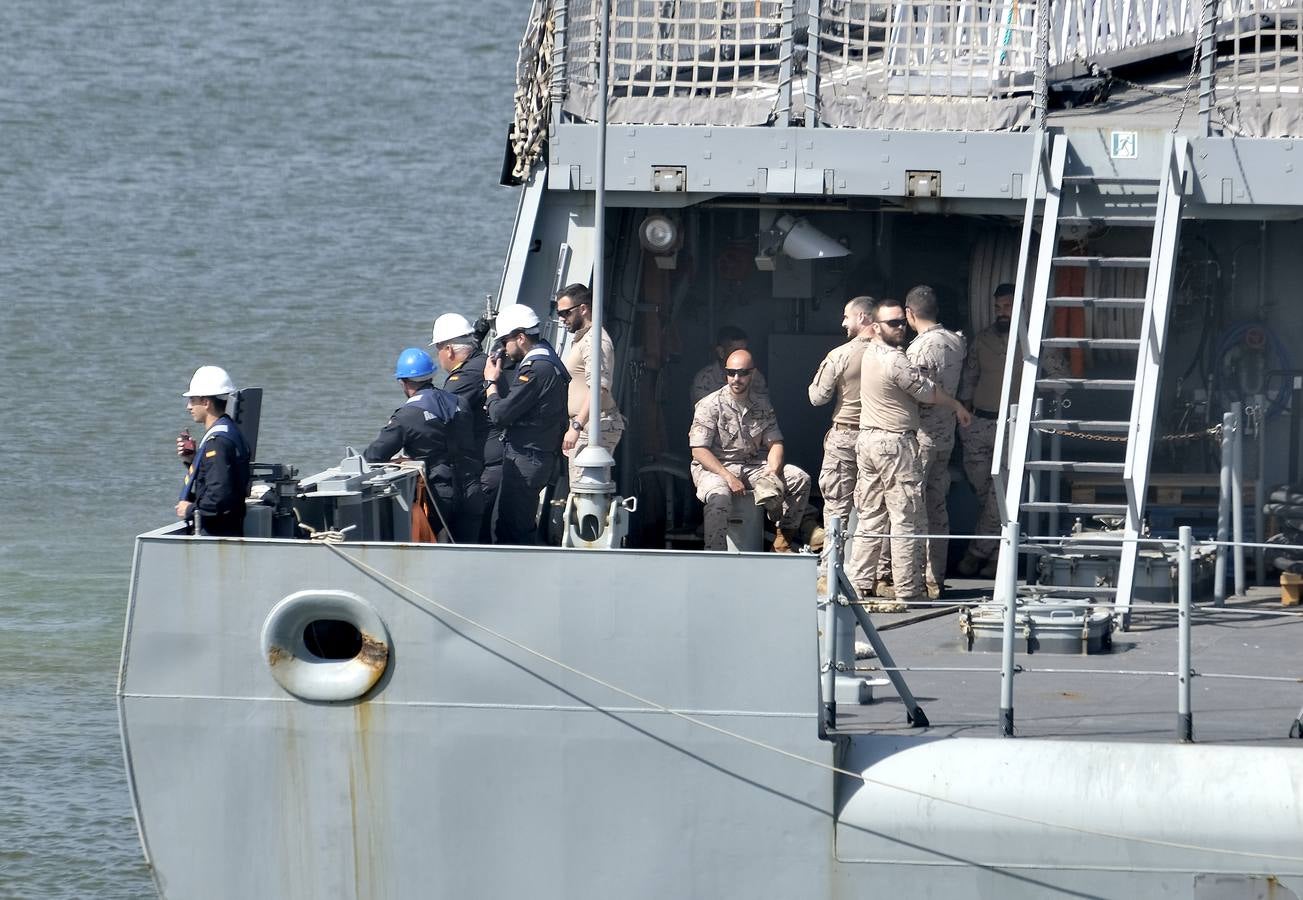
(356, 715)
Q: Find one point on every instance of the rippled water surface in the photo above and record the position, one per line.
(292, 190)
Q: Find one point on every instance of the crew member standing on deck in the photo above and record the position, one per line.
(533, 417)
(890, 484)
(938, 354)
(574, 305)
(458, 353)
(839, 376)
(979, 390)
(433, 428)
(217, 474)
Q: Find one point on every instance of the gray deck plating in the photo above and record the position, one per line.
(1248, 638)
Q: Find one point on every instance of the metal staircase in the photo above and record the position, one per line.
(1043, 403)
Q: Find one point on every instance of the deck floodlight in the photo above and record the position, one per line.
(661, 236)
(801, 240)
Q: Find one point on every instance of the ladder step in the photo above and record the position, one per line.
(1085, 468)
(1109, 220)
(1093, 384)
(1097, 302)
(1109, 262)
(1092, 343)
(1087, 178)
(1094, 426)
(1085, 509)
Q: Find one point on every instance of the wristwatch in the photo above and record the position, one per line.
(576, 425)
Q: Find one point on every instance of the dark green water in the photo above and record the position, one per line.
(291, 190)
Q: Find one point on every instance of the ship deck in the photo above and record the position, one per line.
(1079, 697)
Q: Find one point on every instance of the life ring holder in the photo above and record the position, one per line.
(303, 671)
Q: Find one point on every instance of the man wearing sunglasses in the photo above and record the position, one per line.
(889, 490)
(736, 446)
(711, 378)
(574, 307)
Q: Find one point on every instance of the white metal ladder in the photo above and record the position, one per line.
(1036, 394)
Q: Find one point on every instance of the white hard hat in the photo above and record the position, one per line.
(210, 381)
(449, 326)
(516, 317)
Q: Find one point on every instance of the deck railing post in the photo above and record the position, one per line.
(1007, 590)
(830, 624)
(1223, 512)
(1184, 721)
(1237, 495)
(1260, 489)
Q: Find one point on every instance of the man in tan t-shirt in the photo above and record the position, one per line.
(574, 305)
(839, 376)
(889, 489)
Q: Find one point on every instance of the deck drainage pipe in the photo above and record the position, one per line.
(1223, 512)
(1007, 590)
(1184, 720)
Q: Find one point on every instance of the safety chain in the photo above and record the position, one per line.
(1212, 431)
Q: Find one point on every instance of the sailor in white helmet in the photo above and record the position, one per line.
(532, 415)
(217, 469)
(457, 351)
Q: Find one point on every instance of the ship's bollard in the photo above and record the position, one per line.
(1223, 512)
(1184, 719)
(1007, 590)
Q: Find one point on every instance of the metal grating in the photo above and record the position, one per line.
(1259, 87)
(686, 61)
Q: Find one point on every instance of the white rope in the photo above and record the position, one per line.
(401, 589)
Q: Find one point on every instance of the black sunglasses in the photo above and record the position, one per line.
(893, 323)
(741, 373)
(565, 313)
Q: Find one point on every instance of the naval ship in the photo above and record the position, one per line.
(329, 709)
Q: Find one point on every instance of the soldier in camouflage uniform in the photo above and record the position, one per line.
(938, 354)
(890, 484)
(711, 378)
(979, 390)
(839, 376)
(735, 440)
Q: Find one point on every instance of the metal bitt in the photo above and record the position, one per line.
(1007, 590)
(1184, 720)
(1223, 512)
(1237, 494)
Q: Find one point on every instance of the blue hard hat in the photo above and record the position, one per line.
(414, 363)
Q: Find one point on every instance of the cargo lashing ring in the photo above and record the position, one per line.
(325, 645)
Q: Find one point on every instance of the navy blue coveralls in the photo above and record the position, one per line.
(217, 481)
(467, 382)
(533, 416)
(432, 427)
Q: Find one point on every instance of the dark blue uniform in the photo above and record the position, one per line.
(432, 427)
(217, 481)
(467, 382)
(533, 417)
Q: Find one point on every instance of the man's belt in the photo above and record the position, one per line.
(985, 414)
(838, 426)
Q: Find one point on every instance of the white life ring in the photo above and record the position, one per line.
(304, 669)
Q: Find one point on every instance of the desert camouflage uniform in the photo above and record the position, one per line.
(889, 490)
(711, 378)
(578, 360)
(839, 375)
(739, 434)
(938, 354)
(979, 390)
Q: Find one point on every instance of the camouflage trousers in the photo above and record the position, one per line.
(837, 481)
(979, 450)
(612, 431)
(713, 492)
(888, 499)
(936, 487)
